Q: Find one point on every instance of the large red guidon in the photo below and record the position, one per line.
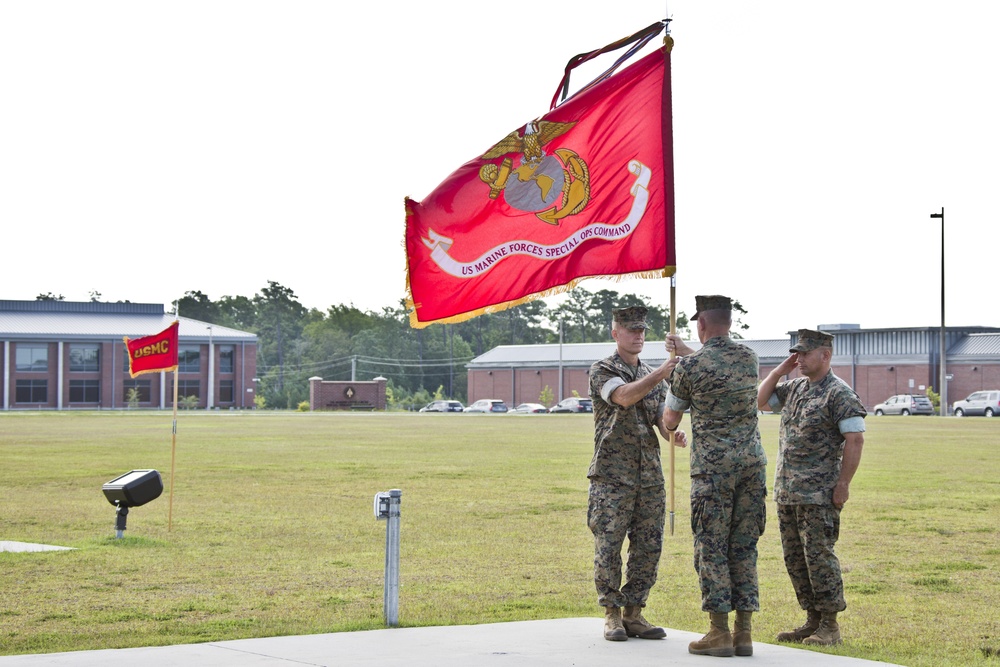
(584, 191)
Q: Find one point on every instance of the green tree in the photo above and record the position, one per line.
(132, 398)
(738, 323)
(279, 324)
(547, 396)
(935, 398)
(578, 319)
(197, 306)
(237, 312)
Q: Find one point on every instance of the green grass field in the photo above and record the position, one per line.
(273, 531)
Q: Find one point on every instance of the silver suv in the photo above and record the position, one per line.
(986, 403)
(905, 404)
(487, 405)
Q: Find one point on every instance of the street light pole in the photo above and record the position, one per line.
(943, 379)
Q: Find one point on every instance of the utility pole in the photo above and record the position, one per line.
(943, 380)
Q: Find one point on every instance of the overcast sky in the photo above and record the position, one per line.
(150, 149)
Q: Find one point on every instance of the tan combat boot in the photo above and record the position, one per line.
(828, 632)
(803, 631)
(741, 633)
(614, 631)
(718, 642)
(637, 626)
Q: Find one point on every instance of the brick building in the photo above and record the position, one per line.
(60, 355)
(876, 362)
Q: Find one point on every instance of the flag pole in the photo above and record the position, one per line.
(173, 458)
(673, 353)
(668, 145)
(173, 437)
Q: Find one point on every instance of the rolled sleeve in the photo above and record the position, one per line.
(610, 386)
(852, 425)
(774, 402)
(677, 404)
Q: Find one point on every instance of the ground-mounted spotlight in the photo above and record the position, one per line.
(134, 488)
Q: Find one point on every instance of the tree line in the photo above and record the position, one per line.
(295, 343)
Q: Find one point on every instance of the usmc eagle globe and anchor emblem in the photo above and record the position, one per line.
(550, 186)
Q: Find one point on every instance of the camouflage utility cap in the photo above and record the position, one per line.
(711, 302)
(812, 340)
(633, 317)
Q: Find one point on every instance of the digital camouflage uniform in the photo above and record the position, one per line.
(627, 498)
(728, 470)
(814, 418)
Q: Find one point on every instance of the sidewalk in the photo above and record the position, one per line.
(575, 642)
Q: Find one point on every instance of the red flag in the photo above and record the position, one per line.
(152, 354)
(584, 191)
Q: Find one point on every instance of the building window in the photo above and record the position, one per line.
(226, 353)
(188, 388)
(141, 387)
(32, 358)
(188, 359)
(32, 391)
(85, 358)
(84, 391)
(225, 391)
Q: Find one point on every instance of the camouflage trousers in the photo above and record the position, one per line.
(615, 512)
(808, 535)
(727, 518)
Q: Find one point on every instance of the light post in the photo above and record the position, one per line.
(210, 403)
(943, 380)
(560, 397)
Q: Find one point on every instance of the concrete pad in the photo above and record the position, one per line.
(576, 642)
(28, 546)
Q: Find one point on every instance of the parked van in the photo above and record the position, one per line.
(986, 403)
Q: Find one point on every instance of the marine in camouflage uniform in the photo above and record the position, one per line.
(627, 497)
(821, 434)
(728, 472)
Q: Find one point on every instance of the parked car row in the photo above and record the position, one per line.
(495, 405)
(985, 403)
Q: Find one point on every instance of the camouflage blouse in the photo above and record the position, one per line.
(626, 449)
(719, 384)
(814, 418)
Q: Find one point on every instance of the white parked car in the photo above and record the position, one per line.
(529, 408)
(487, 405)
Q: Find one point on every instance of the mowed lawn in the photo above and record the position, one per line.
(274, 533)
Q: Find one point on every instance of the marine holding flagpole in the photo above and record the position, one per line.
(627, 498)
